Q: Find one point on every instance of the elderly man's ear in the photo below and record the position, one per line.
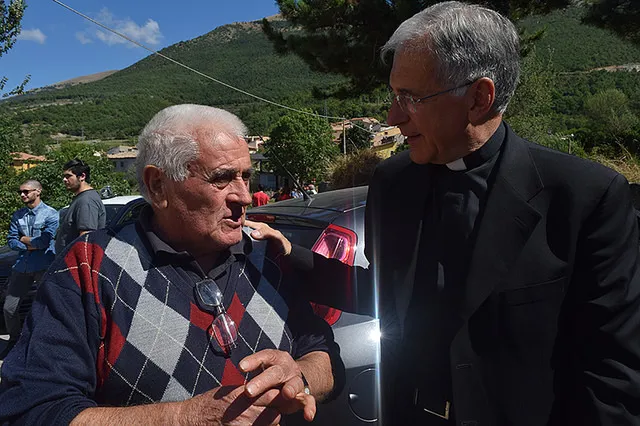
(481, 97)
(154, 180)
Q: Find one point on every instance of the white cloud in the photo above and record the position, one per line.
(82, 38)
(32, 35)
(149, 33)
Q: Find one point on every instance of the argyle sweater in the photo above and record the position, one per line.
(110, 327)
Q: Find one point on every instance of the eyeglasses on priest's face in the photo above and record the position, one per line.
(408, 103)
(210, 299)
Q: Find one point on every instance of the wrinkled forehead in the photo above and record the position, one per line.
(413, 71)
(223, 150)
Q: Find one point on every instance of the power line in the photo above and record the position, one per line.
(155, 52)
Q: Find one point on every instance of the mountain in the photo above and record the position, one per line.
(120, 104)
(239, 54)
(81, 80)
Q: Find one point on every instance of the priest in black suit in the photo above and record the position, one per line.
(505, 274)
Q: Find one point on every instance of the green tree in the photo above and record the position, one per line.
(612, 120)
(38, 144)
(345, 37)
(302, 145)
(355, 169)
(49, 173)
(530, 110)
(619, 16)
(10, 18)
(358, 138)
(9, 134)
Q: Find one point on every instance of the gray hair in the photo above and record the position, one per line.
(468, 42)
(33, 183)
(170, 140)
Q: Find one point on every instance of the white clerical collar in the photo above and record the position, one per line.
(457, 165)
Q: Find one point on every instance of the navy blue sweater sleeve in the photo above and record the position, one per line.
(310, 332)
(50, 376)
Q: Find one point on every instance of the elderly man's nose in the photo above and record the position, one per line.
(240, 194)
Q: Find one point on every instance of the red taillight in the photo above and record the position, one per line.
(339, 243)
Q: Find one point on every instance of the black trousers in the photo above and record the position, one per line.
(19, 285)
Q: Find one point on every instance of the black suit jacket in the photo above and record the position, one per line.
(549, 320)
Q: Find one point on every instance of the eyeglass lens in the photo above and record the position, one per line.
(225, 331)
(224, 328)
(24, 191)
(210, 294)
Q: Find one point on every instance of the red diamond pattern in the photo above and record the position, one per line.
(199, 318)
(231, 376)
(236, 310)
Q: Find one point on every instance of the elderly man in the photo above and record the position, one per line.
(179, 318)
(31, 233)
(507, 273)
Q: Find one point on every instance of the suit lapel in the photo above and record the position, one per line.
(506, 225)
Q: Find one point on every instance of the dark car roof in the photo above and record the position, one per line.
(324, 206)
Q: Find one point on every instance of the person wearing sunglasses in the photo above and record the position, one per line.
(31, 232)
(505, 274)
(179, 318)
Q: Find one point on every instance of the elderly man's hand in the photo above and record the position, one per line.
(230, 406)
(279, 371)
(262, 231)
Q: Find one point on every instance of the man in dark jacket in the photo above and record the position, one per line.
(504, 274)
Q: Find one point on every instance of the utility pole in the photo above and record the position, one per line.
(344, 138)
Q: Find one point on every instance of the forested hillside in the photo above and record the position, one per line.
(565, 103)
(117, 106)
(572, 46)
(557, 85)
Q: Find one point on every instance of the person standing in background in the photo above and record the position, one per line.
(259, 198)
(86, 212)
(31, 233)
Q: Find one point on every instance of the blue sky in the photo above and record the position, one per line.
(56, 44)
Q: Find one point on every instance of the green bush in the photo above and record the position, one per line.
(355, 169)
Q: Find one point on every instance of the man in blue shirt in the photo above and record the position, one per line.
(32, 233)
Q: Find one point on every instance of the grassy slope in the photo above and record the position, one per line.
(117, 106)
(239, 54)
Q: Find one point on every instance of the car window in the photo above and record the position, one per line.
(111, 210)
(132, 213)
